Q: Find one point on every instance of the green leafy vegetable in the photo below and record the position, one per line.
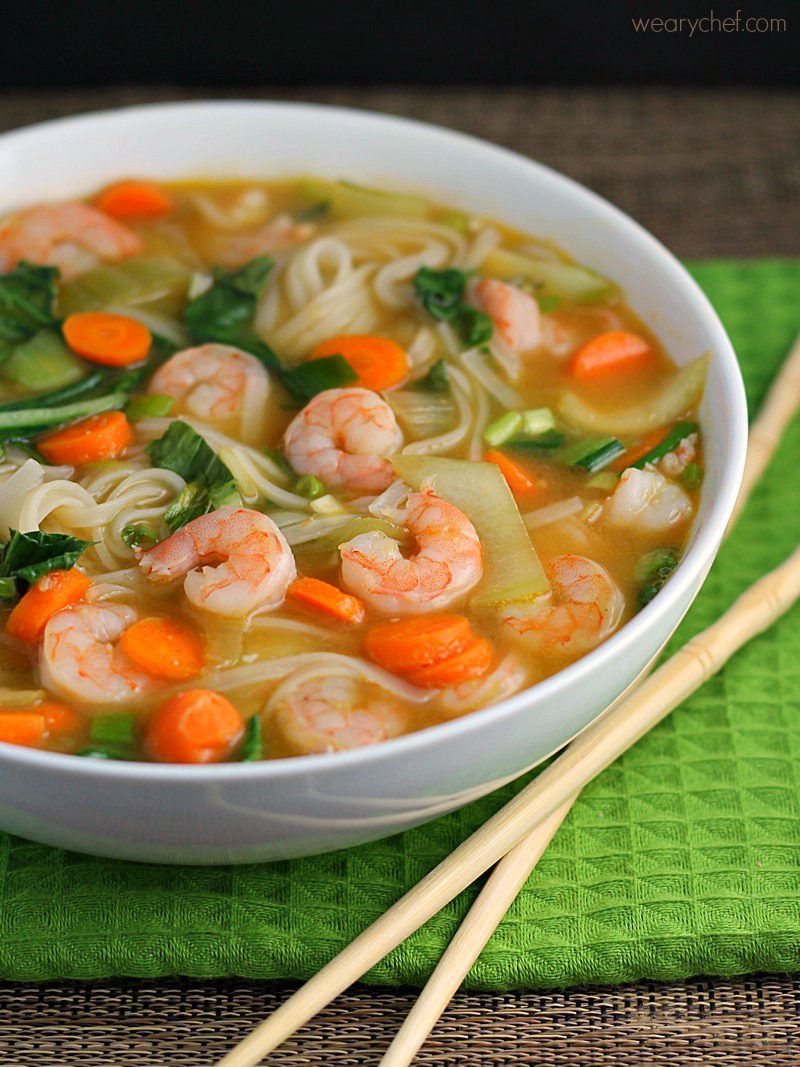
(653, 569)
(549, 278)
(27, 302)
(225, 311)
(210, 485)
(435, 381)
(138, 536)
(31, 421)
(28, 556)
(543, 442)
(441, 293)
(114, 729)
(252, 745)
(548, 303)
(158, 283)
(329, 372)
(350, 201)
(670, 441)
(315, 211)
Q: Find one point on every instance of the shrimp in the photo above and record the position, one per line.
(515, 313)
(674, 463)
(333, 714)
(252, 563)
(507, 678)
(582, 608)
(342, 437)
(214, 381)
(80, 660)
(280, 233)
(446, 566)
(644, 500)
(71, 236)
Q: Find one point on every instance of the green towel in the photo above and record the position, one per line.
(683, 858)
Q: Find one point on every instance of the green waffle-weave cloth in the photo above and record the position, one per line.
(683, 858)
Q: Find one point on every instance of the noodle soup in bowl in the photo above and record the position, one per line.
(363, 465)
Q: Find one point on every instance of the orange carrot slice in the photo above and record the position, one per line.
(50, 594)
(327, 599)
(165, 648)
(378, 362)
(473, 662)
(103, 436)
(106, 338)
(135, 199)
(410, 644)
(615, 352)
(198, 726)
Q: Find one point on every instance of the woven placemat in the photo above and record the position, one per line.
(752, 1023)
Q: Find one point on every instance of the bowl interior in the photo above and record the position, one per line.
(218, 140)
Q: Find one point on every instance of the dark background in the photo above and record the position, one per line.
(290, 42)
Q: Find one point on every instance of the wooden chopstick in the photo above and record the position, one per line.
(594, 750)
(511, 873)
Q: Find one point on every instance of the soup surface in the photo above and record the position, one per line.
(293, 467)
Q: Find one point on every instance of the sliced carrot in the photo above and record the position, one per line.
(519, 481)
(326, 598)
(103, 436)
(411, 644)
(613, 352)
(198, 726)
(50, 594)
(106, 338)
(22, 727)
(473, 662)
(378, 362)
(165, 648)
(135, 200)
(637, 451)
(59, 718)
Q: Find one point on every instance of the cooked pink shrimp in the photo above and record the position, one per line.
(515, 313)
(507, 678)
(214, 381)
(674, 463)
(80, 660)
(342, 437)
(278, 234)
(583, 607)
(235, 560)
(332, 714)
(71, 236)
(645, 500)
(447, 564)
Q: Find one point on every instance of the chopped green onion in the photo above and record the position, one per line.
(317, 375)
(115, 729)
(605, 480)
(43, 362)
(138, 536)
(499, 431)
(252, 745)
(546, 442)
(592, 454)
(548, 302)
(309, 486)
(654, 569)
(537, 421)
(149, 407)
(672, 440)
(692, 476)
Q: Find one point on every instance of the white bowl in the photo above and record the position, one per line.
(293, 807)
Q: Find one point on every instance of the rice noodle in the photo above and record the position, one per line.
(550, 513)
(323, 663)
(484, 242)
(250, 208)
(461, 392)
(475, 362)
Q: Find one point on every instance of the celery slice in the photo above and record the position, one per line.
(511, 568)
(158, 282)
(349, 201)
(676, 398)
(43, 362)
(552, 279)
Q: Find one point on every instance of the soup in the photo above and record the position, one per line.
(298, 466)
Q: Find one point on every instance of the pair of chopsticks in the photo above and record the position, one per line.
(519, 833)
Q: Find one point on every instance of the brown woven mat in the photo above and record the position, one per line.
(752, 1023)
(712, 173)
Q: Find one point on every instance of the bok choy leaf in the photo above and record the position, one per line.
(28, 556)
